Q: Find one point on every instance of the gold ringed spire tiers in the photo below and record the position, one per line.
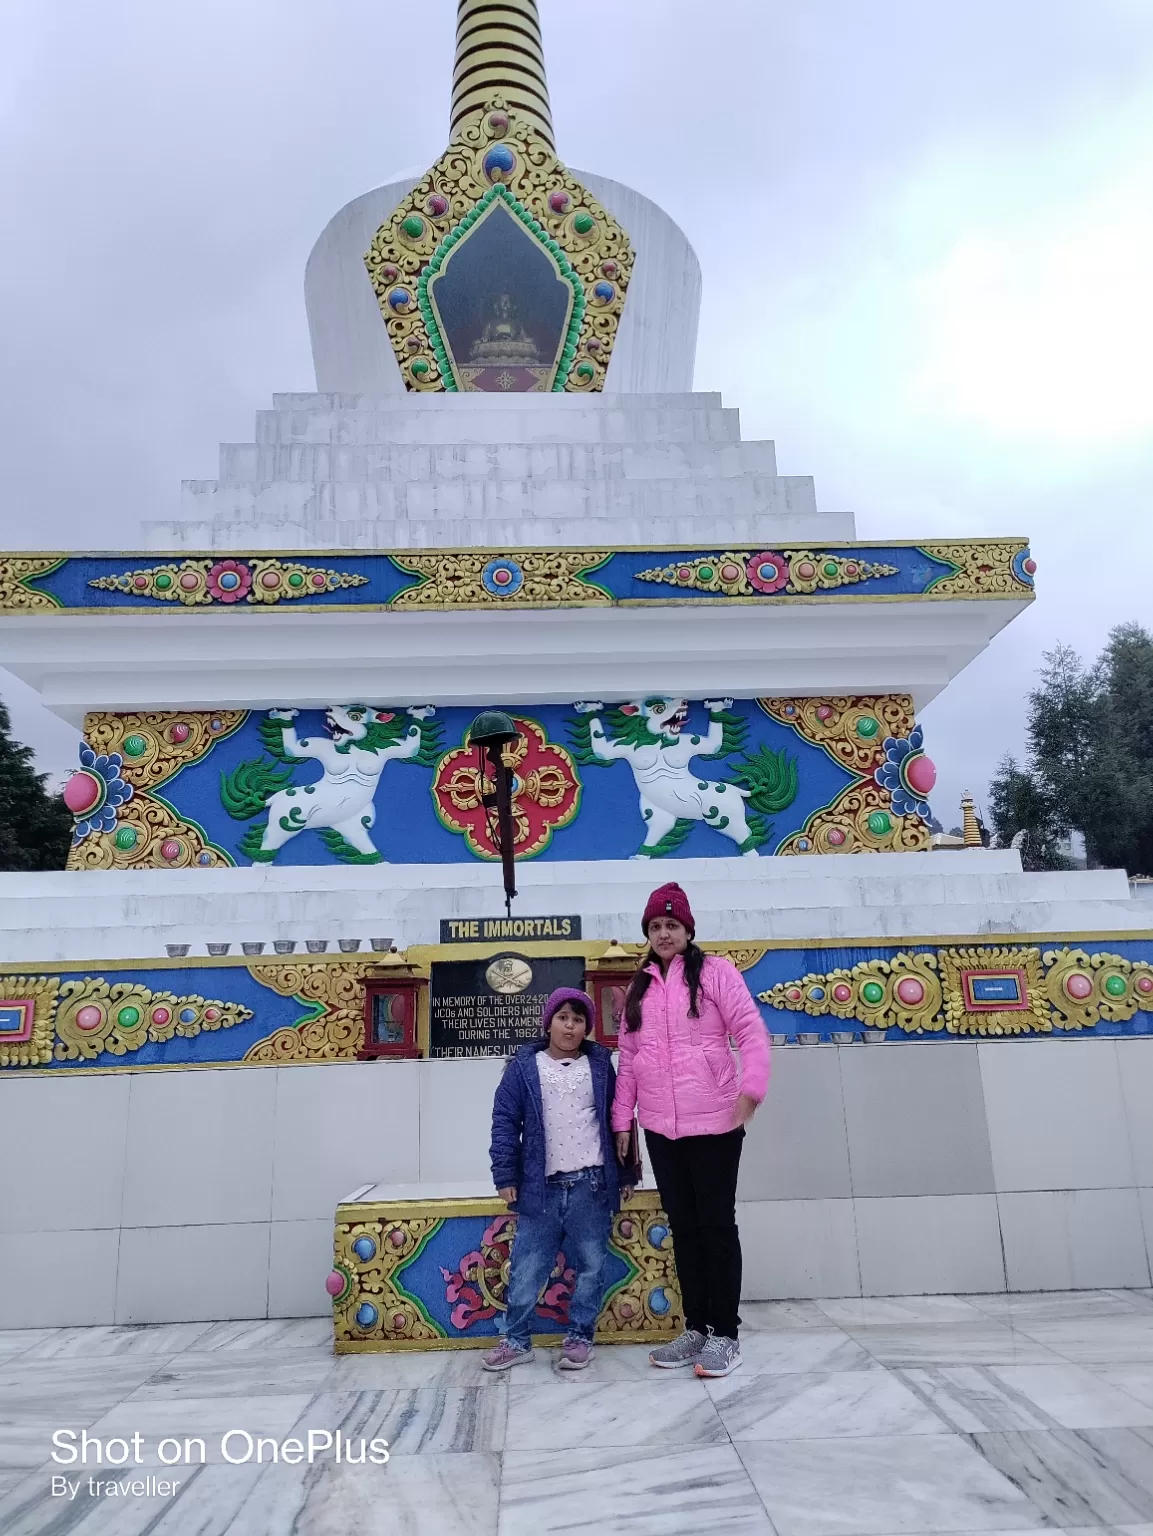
(499, 52)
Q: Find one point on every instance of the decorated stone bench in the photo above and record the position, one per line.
(424, 1266)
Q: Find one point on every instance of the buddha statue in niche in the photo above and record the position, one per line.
(504, 340)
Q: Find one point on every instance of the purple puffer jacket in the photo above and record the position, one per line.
(679, 1072)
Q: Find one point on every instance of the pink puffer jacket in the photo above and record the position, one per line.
(679, 1072)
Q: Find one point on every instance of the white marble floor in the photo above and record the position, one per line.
(883, 1417)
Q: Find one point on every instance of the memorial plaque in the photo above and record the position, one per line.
(492, 1006)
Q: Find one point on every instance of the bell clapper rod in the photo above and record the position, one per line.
(493, 734)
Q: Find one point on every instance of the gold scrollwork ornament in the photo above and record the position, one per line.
(984, 570)
(334, 1034)
(630, 1312)
(15, 572)
(162, 741)
(456, 579)
(961, 1018)
(373, 1280)
(41, 992)
(851, 729)
(260, 579)
(1084, 990)
(743, 956)
(903, 993)
(846, 826)
(160, 840)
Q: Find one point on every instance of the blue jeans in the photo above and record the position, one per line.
(577, 1219)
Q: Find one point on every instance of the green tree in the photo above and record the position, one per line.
(1090, 759)
(35, 826)
(1024, 816)
(1113, 802)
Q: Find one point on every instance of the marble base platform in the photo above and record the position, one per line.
(426, 1267)
(942, 1414)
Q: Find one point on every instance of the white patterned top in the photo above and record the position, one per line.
(572, 1136)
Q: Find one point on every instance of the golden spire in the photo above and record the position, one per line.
(970, 830)
(499, 53)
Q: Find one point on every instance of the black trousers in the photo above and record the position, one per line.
(697, 1180)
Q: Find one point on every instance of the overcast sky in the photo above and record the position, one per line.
(926, 231)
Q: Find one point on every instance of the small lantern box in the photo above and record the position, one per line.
(392, 1003)
(609, 978)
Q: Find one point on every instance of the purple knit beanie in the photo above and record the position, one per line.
(564, 995)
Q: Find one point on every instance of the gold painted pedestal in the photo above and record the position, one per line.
(426, 1267)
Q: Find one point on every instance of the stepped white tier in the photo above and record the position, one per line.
(466, 471)
(349, 471)
(882, 897)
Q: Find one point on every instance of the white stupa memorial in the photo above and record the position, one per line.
(241, 1001)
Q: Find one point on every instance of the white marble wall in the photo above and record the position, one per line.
(958, 1166)
(929, 1166)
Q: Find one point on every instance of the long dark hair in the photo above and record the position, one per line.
(694, 960)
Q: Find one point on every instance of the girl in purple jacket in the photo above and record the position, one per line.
(554, 1163)
(677, 1070)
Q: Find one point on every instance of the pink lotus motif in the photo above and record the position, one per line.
(907, 774)
(229, 580)
(558, 1292)
(469, 1305)
(768, 571)
(476, 1288)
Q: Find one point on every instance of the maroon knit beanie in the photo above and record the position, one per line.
(669, 901)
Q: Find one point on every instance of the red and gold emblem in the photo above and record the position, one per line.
(545, 793)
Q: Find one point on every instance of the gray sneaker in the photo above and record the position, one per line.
(682, 1351)
(719, 1357)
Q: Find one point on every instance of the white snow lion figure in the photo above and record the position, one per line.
(360, 741)
(648, 735)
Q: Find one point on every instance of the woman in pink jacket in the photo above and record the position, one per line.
(676, 1068)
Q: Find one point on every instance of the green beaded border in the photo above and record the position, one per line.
(564, 267)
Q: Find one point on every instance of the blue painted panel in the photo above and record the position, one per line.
(226, 983)
(916, 573)
(71, 583)
(223, 984)
(458, 1305)
(13, 1021)
(782, 966)
(609, 822)
(231, 580)
(995, 989)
